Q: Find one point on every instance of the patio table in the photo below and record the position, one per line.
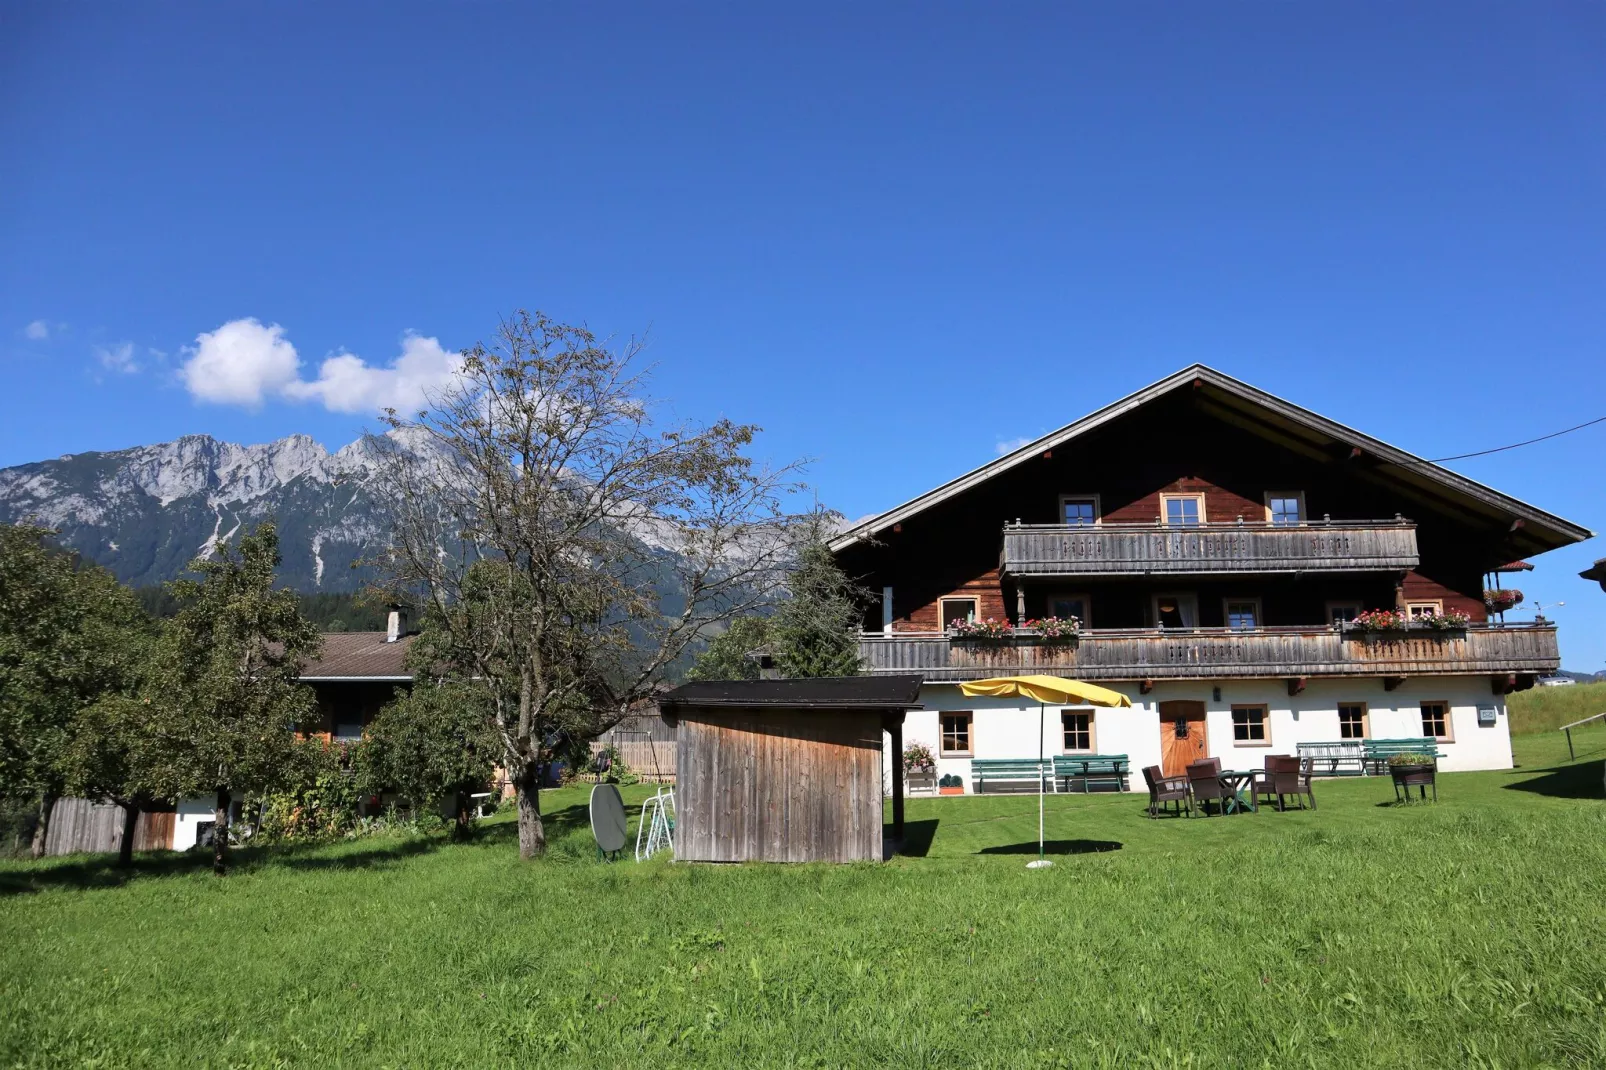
(1240, 781)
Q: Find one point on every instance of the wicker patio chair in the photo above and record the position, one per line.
(1204, 782)
(1164, 789)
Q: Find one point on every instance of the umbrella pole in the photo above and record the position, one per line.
(1041, 863)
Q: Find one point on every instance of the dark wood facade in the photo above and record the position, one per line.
(1376, 530)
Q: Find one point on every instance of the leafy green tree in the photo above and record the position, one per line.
(726, 655)
(222, 687)
(530, 505)
(435, 743)
(815, 630)
(107, 753)
(70, 634)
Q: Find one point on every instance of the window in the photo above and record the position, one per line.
(1176, 611)
(1249, 727)
(1079, 510)
(1352, 720)
(1070, 605)
(1243, 614)
(1436, 719)
(956, 734)
(1182, 510)
(347, 729)
(1078, 728)
(1342, 612)
(1418, 610)
(1285, 508)
(956, 609)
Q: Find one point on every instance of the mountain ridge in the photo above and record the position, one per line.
(146, 511)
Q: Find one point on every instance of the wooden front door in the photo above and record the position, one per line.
(1182, 736)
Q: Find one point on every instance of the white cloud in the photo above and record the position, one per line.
(243, 363)
(37, 331)
(1011, 445)
(240, 363)
(346, 383)
(118, 358)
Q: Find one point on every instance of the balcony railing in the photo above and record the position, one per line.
(1138, 549)
(1204, 653)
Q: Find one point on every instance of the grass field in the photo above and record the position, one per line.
(1469, 934)
(1542, 709)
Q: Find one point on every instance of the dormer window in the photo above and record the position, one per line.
(1285, 508)
(1182, 510)
(1079, 510)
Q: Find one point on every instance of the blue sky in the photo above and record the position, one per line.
(895, 238)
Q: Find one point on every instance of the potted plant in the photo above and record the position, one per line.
(1413, 769)
(981, 629)
(1499, 600)
(951, 784)
(1055, 629)
(918, 760)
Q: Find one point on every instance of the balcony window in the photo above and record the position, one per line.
(956, 609)
(1285, 508)
(347, 730)
(1418, 610)
(1182, 510)
(1436, 720)
(1176, 611)
(956, 735)
(1071, 605)
(1079, 510)
(1078, 730)
(1249, 727)
(1243, 615)
(1352, 720)
(1342, 612)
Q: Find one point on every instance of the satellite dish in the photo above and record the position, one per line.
(608, 819)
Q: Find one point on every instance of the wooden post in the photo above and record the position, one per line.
(1020, 603)
(897, 779)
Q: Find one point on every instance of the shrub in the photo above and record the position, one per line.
(950, 780)
(1410, 758)
(917, 758)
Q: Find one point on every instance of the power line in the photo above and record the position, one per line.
(1514, 445)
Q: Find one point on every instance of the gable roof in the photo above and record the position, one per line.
(353, 656)
(1274, 418)
(896, 691)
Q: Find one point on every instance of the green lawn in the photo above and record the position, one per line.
(1467, 934)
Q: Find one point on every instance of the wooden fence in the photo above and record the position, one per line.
(84, 826)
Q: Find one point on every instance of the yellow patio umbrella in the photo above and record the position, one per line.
(1044, 689)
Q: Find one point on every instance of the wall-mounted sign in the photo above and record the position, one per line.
(1486, 715)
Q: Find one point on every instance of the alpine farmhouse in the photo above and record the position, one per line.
(1221, 552)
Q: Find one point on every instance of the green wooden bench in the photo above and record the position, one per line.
(1016, 769)
(1379, 751)
(1345, 757)
(1091, 769)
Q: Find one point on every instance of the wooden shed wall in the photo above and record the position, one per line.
(778, 786)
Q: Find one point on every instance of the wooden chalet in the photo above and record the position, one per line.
(1215, 543)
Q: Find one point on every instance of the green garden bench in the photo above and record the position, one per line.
(1027, 769)
(1092, 768)
(1340, 758)
(1379, 751)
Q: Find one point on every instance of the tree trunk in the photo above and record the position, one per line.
(220, 833)
(460, 808)
(41, 831)
(125, 849)
(532, 833)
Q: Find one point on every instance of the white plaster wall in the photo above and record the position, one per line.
(191, 812)
(1008, 728)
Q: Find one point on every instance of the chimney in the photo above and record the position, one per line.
(767, 669)
(397, 627)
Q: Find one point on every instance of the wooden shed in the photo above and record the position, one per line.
(786, 770)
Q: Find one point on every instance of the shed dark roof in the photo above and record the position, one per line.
(892, 692)
(360, 656)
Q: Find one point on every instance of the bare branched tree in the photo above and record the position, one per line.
(569, 550)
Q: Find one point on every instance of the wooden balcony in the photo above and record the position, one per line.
(1147, 549)
(1215, 653)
